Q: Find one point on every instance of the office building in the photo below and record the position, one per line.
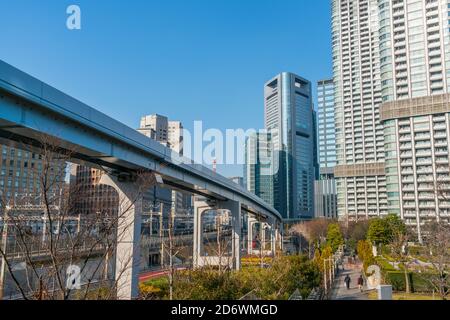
(89, 196)
(258, 169)
(21, 173)
(325, 186)
(155, 127)
(327, 132)
(289, 117)
(359, 171)
(169, 134)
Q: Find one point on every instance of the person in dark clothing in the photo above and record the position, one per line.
(347, 281)
(360, 283)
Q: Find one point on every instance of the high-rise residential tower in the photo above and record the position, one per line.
(289, 117)
(360, 176)
(403, 48)
(325, 186)
(415, 64)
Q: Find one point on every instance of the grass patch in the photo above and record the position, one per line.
(373, 295)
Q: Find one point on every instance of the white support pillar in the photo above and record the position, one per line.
(128, 237)
(280, 236)
(200, 206)
(235, 208)
(250, 222)
(273, 240)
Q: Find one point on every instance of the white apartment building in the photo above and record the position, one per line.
(170, 134)
(415, 68)
(360, 177)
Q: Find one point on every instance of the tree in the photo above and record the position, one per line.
(365, 254)
(314, 231)
(396, 225)
(334, 237)
(398, 247)
(69, 255)
(355, 231)
(379, 231)
(437, 242)
(321, 255)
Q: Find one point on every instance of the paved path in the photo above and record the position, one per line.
(340, 292)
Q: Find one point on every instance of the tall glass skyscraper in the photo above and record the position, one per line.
(327, 130)
(290, 118)
(325, 186)
(258, 169)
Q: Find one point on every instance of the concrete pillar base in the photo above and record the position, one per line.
(128, 237)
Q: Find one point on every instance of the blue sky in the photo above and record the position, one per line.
(187, 59)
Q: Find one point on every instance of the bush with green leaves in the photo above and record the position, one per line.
(334, 236)
(276, 282)
(418, 282)
(365, 254)
(383, 230)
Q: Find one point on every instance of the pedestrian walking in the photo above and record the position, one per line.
(360, 283)
(347, 281)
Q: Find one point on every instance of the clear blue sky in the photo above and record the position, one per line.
(187, 59)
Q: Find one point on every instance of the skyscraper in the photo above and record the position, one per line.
(360, 175)
(289, 117)
(401, 49)
(325, 186)
(258, 170)
(415, 64)
(327, 131)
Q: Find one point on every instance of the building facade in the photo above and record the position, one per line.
(90, 197)
(170, 134)
(327, 130)
(402, 47)
(359, 172)
(289, 116)
(415, 64)
(325, 186)
(155, 127)
(258, 170)
(20, 176)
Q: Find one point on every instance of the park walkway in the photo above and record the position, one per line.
(340, 292)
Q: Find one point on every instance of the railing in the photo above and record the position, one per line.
(316, 294)
(41, 249)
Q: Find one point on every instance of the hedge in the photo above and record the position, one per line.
(384, 264)
(417, 282)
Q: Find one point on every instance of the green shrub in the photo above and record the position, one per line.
(416, 251)
(279, 281)
(384, 264)
(418, 283)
